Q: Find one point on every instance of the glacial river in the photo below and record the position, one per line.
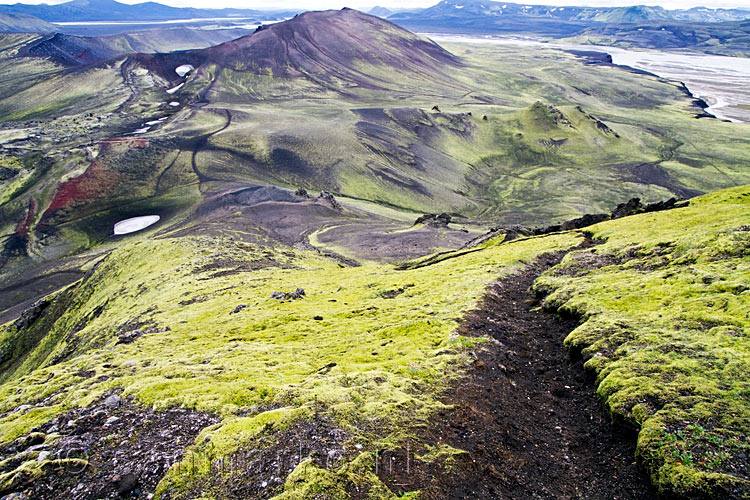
(723, 82)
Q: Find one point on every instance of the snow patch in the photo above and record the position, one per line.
(134, 224)
(184, 69)
(175, 89)
(174, 104)
(155, 122)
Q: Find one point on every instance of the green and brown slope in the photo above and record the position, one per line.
(365, 354)
(389, 122)
(270, 324)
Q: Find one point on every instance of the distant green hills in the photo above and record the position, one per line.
(341, 102)
(724, 38)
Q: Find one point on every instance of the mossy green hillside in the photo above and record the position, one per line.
(619, 135)
(373, 364)
(666, 309)
(561, 138)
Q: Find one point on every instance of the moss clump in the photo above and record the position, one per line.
(310, 481)
(666, 305)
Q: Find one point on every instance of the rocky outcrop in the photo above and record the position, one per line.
(434, 220)
(330, 199)
(299, 293)
(30, 315)
(631, 207)
(634, 206)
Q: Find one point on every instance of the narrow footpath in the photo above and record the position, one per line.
(527, 414)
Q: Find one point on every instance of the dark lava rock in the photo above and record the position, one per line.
(318, 318)
(130, 337)
(665, 205)
(517, 231)
(435, 108)
(584, 221)
(297, 294)
(302, 192)
(32, 439)
(71, 447)
(631, 207)
(634, 206)
(7, 173)
(30, 315)
(125, 458)
(325, 195)
(238, 308)
(593, 58)
(126, 483)
(391, 294)
(441, 220)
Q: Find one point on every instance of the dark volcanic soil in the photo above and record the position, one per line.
(526, 413)
(123, 451)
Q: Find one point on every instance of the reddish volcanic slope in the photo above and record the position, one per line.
(344, 45)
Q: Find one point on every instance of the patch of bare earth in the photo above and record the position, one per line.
(526, 414)
(114, 449)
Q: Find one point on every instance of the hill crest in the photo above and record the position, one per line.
(345, 47)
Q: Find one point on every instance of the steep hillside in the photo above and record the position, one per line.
(376, 125)
(71, 50)
(635, 14)
(20, 23)
(337, 49)
(350, 371)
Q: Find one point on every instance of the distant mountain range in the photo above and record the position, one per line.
(491, 17)
(111, 10)
(482, 13)
(726, 38)
(721, 31)
(461, 9)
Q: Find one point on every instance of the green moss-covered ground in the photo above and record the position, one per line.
(375, 365)
(664, 302)
(528, 136)
(666, 309)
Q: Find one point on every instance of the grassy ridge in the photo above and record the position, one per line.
(374, 360)
(666, 308)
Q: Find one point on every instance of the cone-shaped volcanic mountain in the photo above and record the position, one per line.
(346, 48)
